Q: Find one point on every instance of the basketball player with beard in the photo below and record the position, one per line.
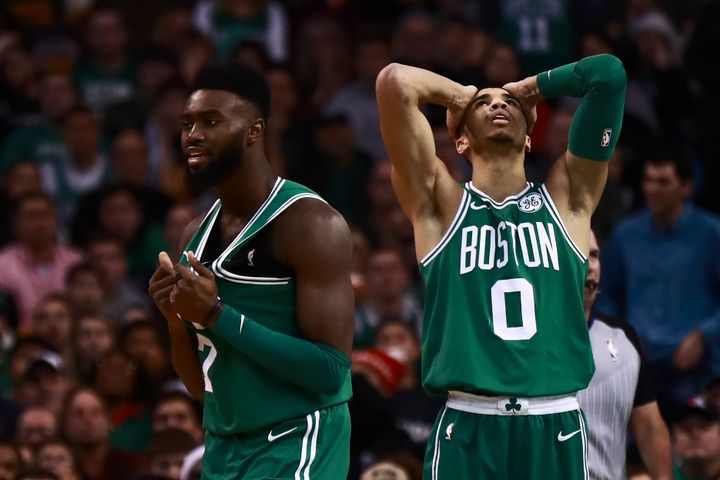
(260, 307)
(504, 264)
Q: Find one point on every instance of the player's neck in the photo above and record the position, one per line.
(243, 192)
(499, 174)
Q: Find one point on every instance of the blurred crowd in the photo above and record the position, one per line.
(92, 188)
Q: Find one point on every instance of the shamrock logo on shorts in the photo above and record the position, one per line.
(513, 405)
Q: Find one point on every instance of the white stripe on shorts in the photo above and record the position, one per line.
(304, 446)
(436, 453)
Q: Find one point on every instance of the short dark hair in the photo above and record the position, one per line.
(231, 76)
(671, 156)
(31, 197)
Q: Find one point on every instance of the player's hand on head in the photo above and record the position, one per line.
(194, 295)
(161, 285)
(458, 109)
(528, 93)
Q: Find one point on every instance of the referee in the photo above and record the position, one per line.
(619, 393)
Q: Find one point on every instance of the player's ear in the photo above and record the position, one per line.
(528, 144)
(256, 131)
(462, 144)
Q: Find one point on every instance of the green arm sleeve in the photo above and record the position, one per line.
(602, 83)
(310, 365)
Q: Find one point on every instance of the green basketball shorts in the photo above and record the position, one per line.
(501, 438)
(313, 447)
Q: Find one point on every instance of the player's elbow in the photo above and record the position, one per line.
(610, 78)
(391, 82)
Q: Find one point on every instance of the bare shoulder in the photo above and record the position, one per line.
(310, 230)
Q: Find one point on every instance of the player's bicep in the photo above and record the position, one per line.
(320, 252)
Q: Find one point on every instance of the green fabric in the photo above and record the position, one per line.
(602, 82)
(317, 446)
(468, 446)
(241, 393)
(288, 357)
(230, 31)
(133, 434)
(100, 89)
(33, 144)
(145, 252)
(504, 301)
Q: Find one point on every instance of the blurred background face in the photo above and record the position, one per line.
(24, 178)
(86, 422)
(167, 465)
(283, 90)
(175, 413)
(35, 223)
(385, 277)
(84, 288)
(57, 458)
(143, 344)
(106, 36)
(120, 215)
(398, 341)
(380, 188)
(94, 337)
(81, 134)
(130, 157)
(19, 68)
(53, 323)
(696, 439)
(9, 463)
(36, 426)
(370, 58)
(57, 95)
(115, 377)
(502, 65)
(663, 189)
(109, 259)
(177, 219)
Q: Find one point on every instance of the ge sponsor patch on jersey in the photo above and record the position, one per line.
(532, 202)
(606, 136)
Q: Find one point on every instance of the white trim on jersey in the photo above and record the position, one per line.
(203, 240)
(459, 216)
(303, 470)
(436, 454)
(233, 277)
(583, 434)
(556, 216)
(506, 201)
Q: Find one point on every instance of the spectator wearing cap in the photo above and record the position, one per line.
(35, 426)
(696, 441)
(36, 263)
(48, 374)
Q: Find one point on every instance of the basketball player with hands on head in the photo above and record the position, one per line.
(260, 307)
(503, 262)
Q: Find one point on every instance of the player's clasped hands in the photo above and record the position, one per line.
(179, 291)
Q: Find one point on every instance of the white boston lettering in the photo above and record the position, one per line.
(486, 247)
(468, 254)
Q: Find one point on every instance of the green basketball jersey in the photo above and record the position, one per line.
(241, 395)
(504, 301)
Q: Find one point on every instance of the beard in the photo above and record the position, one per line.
(218, 169)
(502, 137)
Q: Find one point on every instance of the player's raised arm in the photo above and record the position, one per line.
(577, 179)
(400, 90)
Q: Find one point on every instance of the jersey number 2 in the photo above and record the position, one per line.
(528, 328)
(202, 343)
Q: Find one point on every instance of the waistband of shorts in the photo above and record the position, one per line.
(482, 405)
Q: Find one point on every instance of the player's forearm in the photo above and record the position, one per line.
(653, 442)
(602, 82)
(418, 86)
(310, 365)
(184, 358)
